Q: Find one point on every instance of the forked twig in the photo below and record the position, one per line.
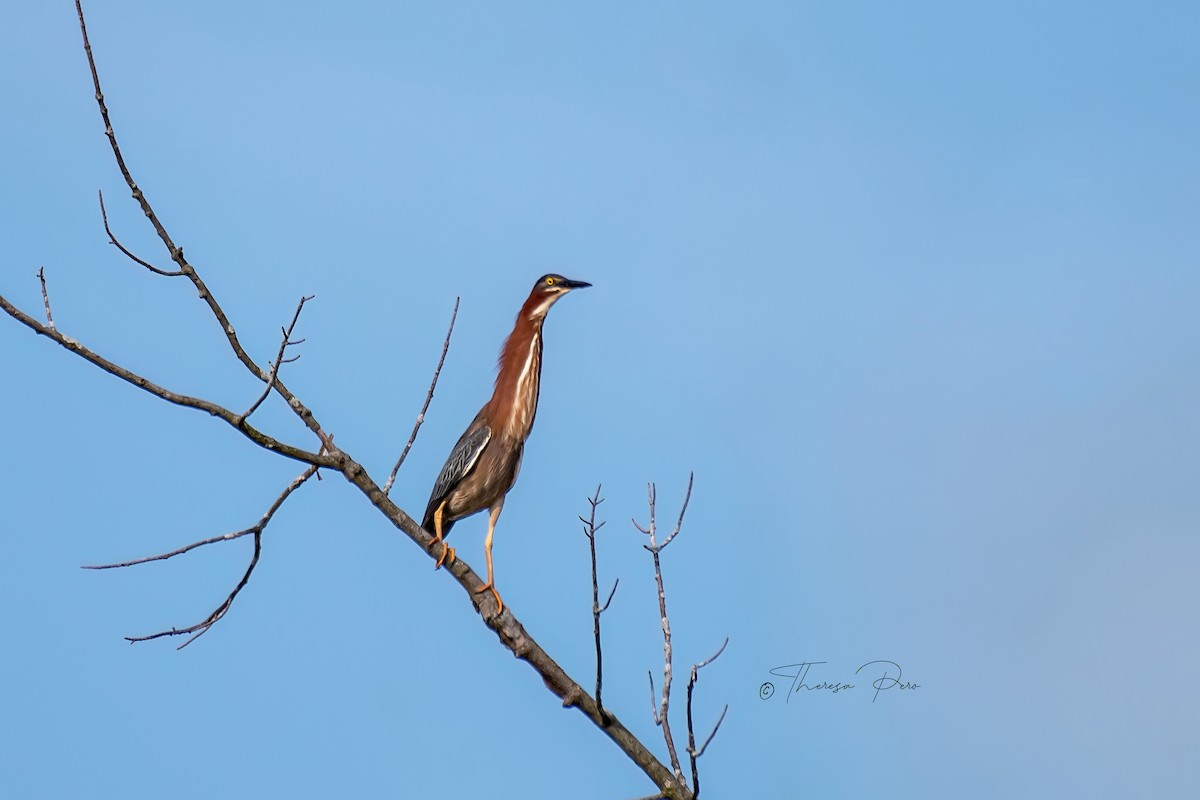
(279, 359)
(590, 527)
(661, 714)
(694, 753)
(200, 628)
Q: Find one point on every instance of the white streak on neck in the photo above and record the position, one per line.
(541, 308)
(521, 421)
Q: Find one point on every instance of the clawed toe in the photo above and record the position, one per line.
(487, 587)
(447, 557)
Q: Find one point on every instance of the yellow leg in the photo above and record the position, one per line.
(447, 551)
(493, 515)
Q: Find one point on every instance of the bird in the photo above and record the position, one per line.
(483, 465)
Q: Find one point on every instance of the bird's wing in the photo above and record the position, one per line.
(461, 461)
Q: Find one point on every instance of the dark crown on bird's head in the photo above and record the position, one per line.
(553, 283)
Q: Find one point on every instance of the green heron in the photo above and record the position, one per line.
(484, 463)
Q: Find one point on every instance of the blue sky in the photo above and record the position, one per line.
(912, 289)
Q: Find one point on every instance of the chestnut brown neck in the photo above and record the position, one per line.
(513, 407)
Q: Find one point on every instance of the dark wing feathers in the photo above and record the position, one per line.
(459, 464)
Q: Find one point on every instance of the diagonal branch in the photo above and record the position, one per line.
(387, 487)
(176, 253)
(508, 629)
(513, 637)
(256, 436)
(200, 628)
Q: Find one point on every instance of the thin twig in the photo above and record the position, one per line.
(279, 359)
(387, 487)
(693, 753)
(45, 297)
(200, 628)
(112, 239)
(589, 530)
(225, 537)
(653, 701)
(611, 592)
(687, 498)
(713, 733)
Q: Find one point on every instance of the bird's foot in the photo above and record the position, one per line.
(447, 556)
(488, 587)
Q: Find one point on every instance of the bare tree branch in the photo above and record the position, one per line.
(589, 530)
(505, 625)
(112, 239)
(45, 297)
(200, 628)
(387, 487)
(662, 715)
(694, 753)
(255, 435)
(279, 359)
(176, 254)
(507, 628)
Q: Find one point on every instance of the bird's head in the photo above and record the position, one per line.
(547, 290)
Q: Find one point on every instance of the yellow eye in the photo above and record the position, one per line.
(549, 281)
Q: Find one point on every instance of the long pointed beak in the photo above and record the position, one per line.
(570, 284)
